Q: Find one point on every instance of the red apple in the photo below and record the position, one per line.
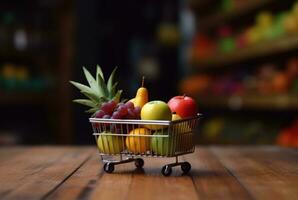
(184, 106)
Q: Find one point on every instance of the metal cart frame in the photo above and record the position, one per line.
(126, 139)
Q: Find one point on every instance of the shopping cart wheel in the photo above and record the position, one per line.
(139, 163)
(166, 170)
(185, 167)
(108, 167)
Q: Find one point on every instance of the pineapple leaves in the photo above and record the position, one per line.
(111, 80)
(98, 91)
(102, 87)
(99, 72)
(92, 110)
(93, 97)
(93, 84)
(81, 87)
(85, 102)
(117, 96)
(113, 90)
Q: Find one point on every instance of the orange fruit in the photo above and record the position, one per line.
(136, 143)
(280, 83)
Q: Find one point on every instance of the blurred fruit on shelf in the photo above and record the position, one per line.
(253, 35)
(184, 106)
(264, 19)
(290, 24)
(142, 96)
(227, 45)
(227, 5)
(294, 88)
(226, 42)
(156, 110)
(18, 78)
(168, 34)
(289, 136)
(195, 84)
(241, 40)
(266, 79)
(22, 73)
(292, 69)
(8, 71)
(267, 26)
(213, 128)
(280, 83)
(136, 142)
(203, 46)
(233, 130)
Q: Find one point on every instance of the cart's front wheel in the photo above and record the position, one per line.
(185, 167)
(108, 167)
(139, 163)
(166, 170)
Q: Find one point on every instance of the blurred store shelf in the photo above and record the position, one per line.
(274, 102)
(245, 7)
(265, 48)
(21, 98)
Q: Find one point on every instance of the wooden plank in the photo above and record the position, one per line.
(8, 153)
(150, 184)
(35, 173)
(266, 172)
(211, 179)
(90, 182)
(115, 185)
(81, 183)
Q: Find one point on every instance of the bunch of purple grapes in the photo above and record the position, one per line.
(112, 110)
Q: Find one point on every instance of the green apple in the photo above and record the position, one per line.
(156, 110)
(163, 146)
(110, 144)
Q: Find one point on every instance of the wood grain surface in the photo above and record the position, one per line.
(67, 172)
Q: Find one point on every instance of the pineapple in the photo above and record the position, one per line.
(98, 92)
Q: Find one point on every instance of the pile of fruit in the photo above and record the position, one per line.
(267, 27)
(267, 79)
(105, 102)
(289, 136)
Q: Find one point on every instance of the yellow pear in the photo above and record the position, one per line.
(142, 96)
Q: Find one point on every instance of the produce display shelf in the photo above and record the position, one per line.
(219, 17)
(269, 47)
(270, 102)
(20, 98)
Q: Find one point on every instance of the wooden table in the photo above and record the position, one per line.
(47, 172)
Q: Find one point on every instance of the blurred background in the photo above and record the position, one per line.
(237, 58)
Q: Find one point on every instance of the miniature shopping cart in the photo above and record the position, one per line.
(122, 140)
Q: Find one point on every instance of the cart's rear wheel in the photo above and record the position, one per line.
(139, 163)
(108, 167)
(166, 170)
(185, 167)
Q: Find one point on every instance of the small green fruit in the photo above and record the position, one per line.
(110, 144)
(163, 146)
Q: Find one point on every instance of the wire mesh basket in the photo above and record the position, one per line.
(132, 139)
